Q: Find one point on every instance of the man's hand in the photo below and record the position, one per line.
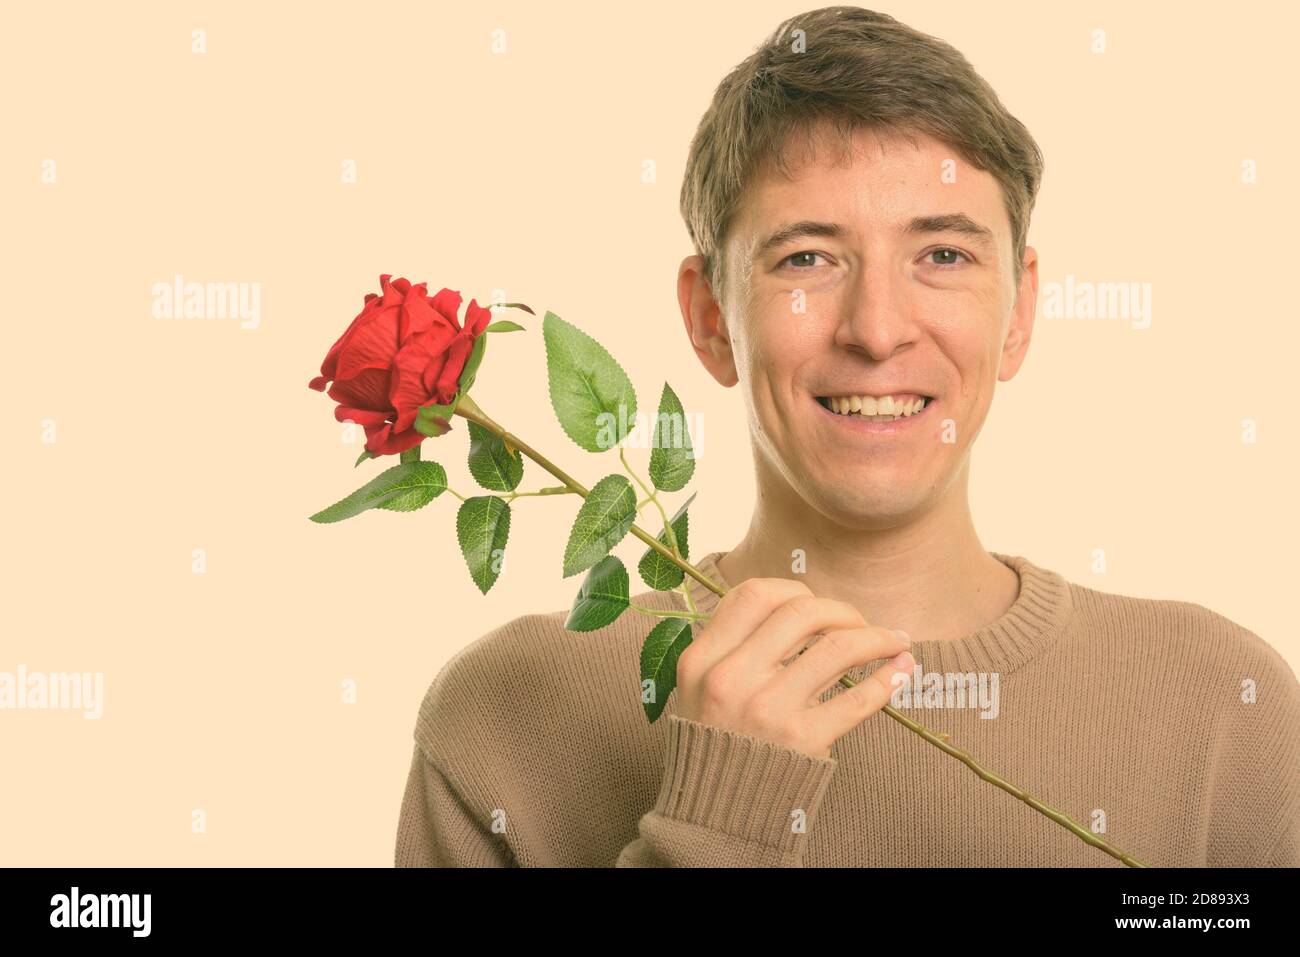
(734, 674)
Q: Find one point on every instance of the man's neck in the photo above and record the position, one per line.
(930, 577)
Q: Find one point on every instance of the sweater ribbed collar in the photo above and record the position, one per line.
(1035, 620)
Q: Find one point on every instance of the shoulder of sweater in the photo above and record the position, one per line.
(489, 669)
(1186, 626)
(513, 679)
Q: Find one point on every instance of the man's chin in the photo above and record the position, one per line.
(867, 508)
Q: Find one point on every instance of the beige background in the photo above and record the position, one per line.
(521, 171)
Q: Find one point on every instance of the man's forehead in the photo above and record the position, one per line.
(907, 186)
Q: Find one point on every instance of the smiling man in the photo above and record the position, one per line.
(871, 305)
(859, 201)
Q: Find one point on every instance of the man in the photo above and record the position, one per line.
(859, 201)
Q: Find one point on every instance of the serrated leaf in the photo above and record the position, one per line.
(504, 325)
(658, 572)
(672, 460)
(482, 527)
(402, 488)
(605, 517)
(491, 465)
(592, 396)
(417, 497)
(602, 597)
(663, 646)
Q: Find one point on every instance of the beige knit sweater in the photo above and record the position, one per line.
(1133, 716)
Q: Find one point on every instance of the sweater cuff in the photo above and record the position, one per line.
(747, 787)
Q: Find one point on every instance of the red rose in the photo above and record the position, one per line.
(404, 349)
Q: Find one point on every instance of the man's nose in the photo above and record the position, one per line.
(875, 318)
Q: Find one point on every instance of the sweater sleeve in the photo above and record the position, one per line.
(1255, 772)
(729, 800)
(435, 829)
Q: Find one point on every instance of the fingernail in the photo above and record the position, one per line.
(903, 635)
(904, 661)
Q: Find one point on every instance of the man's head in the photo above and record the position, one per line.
(915, 278)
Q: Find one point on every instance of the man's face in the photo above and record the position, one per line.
(890, 304)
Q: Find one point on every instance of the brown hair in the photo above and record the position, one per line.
(860, 69)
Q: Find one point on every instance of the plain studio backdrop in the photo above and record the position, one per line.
(160, 471)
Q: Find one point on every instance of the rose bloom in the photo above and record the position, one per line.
(404, 350)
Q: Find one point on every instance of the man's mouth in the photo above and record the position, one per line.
(885, 408)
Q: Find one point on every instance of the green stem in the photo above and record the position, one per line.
(468, 408)
(543, 491)
(684, 587)
(654, 497)
(660, 613)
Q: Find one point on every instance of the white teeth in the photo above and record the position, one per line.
(884, 409)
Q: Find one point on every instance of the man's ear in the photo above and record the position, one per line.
(705, 325)
(1016, 344)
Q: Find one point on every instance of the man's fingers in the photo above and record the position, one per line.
(793, 625)
(845, 711)
(837, 652)
(740, 612)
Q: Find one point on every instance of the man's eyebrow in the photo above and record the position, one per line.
(945, 223)
(952, 223)
(790, 231)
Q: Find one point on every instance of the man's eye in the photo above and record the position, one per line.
(798, 256)
(947, 251)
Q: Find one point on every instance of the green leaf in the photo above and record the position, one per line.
(471, 364)
(403, 488)
(591, 394)
(491, 465)
(659, 655)
(658, 572)
(672, 460)
(412, 454)
(482, 527)
(602, 597)
(362, 457)
(504, 325)
(605, 517)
